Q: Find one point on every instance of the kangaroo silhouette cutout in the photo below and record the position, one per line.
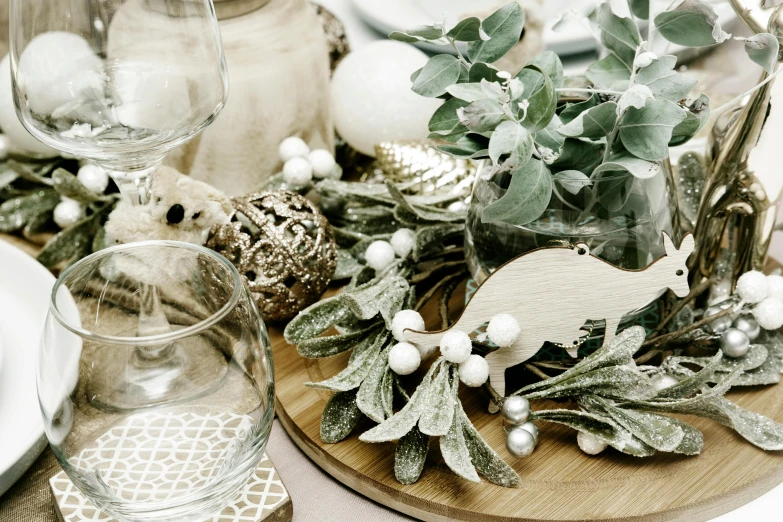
(552, 292)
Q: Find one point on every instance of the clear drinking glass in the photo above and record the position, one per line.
(188, 451)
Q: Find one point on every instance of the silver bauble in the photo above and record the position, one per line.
(532, 428)
(718, 325)
(520, 442)
(515, 410)
(748, 325)
(734, 343)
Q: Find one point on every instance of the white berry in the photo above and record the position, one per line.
(297, 172)
(293, 147)
(67, 212)
(474, 371)
(404, 358)
(769, 313)
(323, 163)
(663, 381)
(406, 320)
(93, 177)
(403, 241)
(379, 255)
(503, 330)
(752, 287)
(775, 286)
(590, 444)
(455, 346)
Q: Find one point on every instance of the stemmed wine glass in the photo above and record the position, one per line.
(121, 83)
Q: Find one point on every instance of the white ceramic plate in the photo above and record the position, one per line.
(25, 286)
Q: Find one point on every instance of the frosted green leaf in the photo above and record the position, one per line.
(625, 162)
(692, 382)
(482, 115)
(387, 392)
(410, 456)
(74, 242)
(319, 347)
(581, 155)
(455, 451)
(347, 266)
(693, 23)
(526, 198)
(445, 118)
(596, 122)
(439, 401)
(646, 132)
(340, 417)
(549, 137)
(571, 180)
(619, 35)
(369, 300)
(484, 458)
(654, 430)
(15, 212)
(35, 173)
(69, 186)
(468, 30)
(468, 92)
(421, 212)
(622, 382)
(763, 49)
(440, 71)
(608, 71)
(369, 399)
(663, 81)
(511, 138)
(431, 235)
(358, 368)
(503, 27)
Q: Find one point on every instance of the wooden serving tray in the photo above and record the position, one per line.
(559, 482)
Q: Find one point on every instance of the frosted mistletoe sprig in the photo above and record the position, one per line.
(635, 107)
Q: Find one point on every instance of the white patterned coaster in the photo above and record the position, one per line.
(184, 447)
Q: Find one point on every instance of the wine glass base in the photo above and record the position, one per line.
(184, 374)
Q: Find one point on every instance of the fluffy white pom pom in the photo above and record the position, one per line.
(323, 163)
(775, 286)
(297, 172)
(293, 147)
(752, 287)
(769, 313)
(403, 241)
(455, 346)
(404, 358)
(503, 330)
(590, 444)
(406, 320)
(67, 212)
(93, 177)
(474, 371)
(379, 255)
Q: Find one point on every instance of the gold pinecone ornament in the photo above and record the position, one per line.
(282, 244)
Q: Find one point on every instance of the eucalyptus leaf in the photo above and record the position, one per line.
(431, 32)
(572, 110)
(445, 118)
(596, 122)
(549, 62)
(340, 417)
(663, 81)
(549, 137)
(410, 456)
(526, 198)
(693, 23)
(578, 154)
(624, 162)
(542, 102)
(619, 35)
(504, 28)
(455, 451)
(608, 71)
(511, 138)
(468, 92)
(483, 71)
(572, 180)
(763, 49)
(482, 115)
(483, 457)
(440, 71)
(468, 30)
(369, 399)
(439, 403)
(646, 132)
(685, 130)
(616, 189)
(466, 147)
(640, 8)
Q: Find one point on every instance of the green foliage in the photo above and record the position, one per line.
(763, 49)
(692, 23)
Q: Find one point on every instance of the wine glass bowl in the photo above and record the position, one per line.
(184, 453)
(119, 82)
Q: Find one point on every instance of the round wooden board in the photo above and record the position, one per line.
(559, 482)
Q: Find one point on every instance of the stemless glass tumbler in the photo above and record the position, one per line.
(188, 451)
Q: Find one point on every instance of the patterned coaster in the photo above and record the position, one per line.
(188, 444)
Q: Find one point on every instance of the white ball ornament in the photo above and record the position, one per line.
(531, 427)
(455, 346)
(404, 358)
(775, 286)
(734, 343)
(590, 444)
(769, 313)
(474, 371)
(406, 320)
(379, 255)
(402, 241)
(520, 442)
(293, 147)
(323, 163)
(297, 172)
(752, 287)
(748, 325)
(371, 96)
(718, 325)
(67, 212)
(93, 177)
(515, 410)
(503, 330)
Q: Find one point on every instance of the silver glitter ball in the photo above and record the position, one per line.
(718, 325)
(532, 428)
(748, 325)
(516, 410)
(734, 343)
(520, 442)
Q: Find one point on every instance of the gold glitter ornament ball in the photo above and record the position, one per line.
(282, 244)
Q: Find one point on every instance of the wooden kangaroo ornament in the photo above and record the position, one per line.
(552, 292)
